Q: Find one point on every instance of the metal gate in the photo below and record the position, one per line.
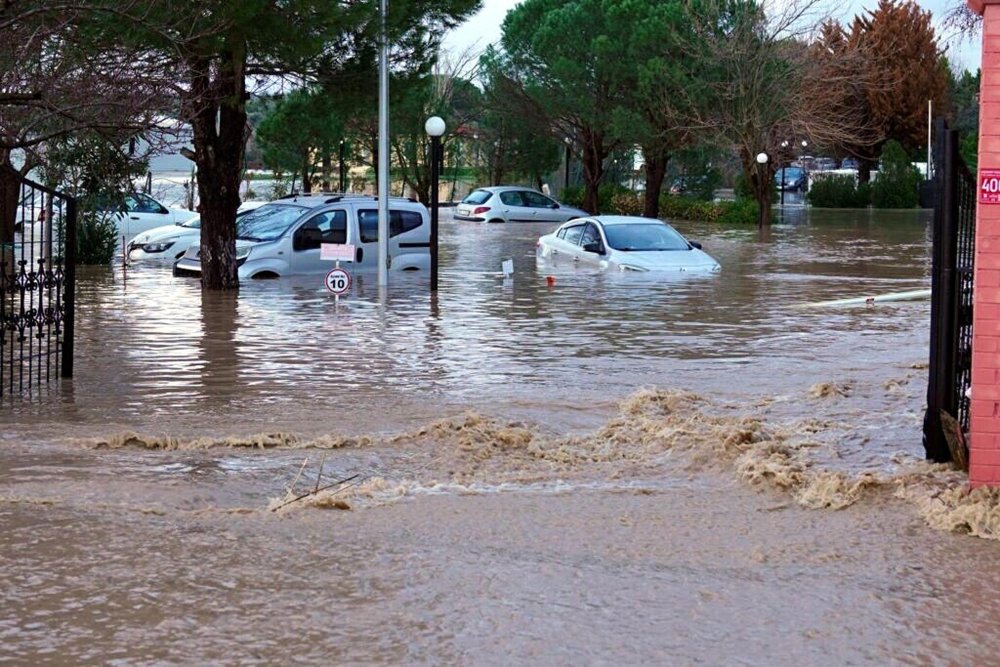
(946, 421)
(37, 280)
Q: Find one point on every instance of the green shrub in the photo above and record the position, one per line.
(898, 181)
(96, 237)
(838, 191)
(686, 208)
(572, 196)
(626, 203)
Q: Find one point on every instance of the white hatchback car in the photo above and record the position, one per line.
(284, 237)
(513, 204)
(170, 241)
(623, 243)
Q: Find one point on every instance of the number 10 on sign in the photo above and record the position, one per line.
(338, 281)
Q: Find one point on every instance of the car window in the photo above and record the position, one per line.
(590, 235)
(572, 234)
(141, 203)
(512, 198)
(644, 236)
(195, 223)
(477, 197)
(269, 222)
(536, 200)
(327, 227)
(400, 222)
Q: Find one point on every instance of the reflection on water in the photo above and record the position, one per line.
(519, 498)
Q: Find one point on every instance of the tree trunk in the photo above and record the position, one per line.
(865, 170)
(761, 178)
(219, 154)
(593, 169)
(10, 191)
(327, 170)
(306, 180)
(656, 170)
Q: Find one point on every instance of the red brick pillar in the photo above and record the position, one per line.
(984, 427)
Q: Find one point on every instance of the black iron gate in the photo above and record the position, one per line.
(37, 280)
(946, 421)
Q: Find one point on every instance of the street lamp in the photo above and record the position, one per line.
(434, 127)
(569, 144)
(343, 174)
(781, 174)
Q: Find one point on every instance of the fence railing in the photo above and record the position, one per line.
(946, 421)
(37, 284)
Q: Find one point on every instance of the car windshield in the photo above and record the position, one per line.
(644, 236)
(791, 173)
(267, 223)
(477, 197)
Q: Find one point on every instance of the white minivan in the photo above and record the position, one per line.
(283, 237)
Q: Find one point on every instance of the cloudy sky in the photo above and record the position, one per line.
(484, 28)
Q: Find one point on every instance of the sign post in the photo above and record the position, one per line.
(338, 280)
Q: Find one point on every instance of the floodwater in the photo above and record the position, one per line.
(596, 469)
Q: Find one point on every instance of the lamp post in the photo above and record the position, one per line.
(762, 159)
(566, 182)
(343, 173)
(781, 178)
(434, 128)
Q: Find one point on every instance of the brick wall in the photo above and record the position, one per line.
(984, 426)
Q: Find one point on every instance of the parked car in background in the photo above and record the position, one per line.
(513, 204)
(169, 242)
(824, 164)
(623, 243)
(142, 213)
(792, 178)
(284, 237)
(849, 163)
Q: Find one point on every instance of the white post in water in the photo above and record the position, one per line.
(383, 148)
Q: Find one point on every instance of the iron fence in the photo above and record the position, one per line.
(37, 284)
(946, 421)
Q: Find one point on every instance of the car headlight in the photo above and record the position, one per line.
(243, 253)
(157, 247)
(630, 267)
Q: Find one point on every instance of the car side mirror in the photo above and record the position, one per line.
(594, 248)
(555, 206)
(694, 244)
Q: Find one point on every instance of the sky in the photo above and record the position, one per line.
(484, 27)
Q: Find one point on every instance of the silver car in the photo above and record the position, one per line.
(513, 204)
(285, 237)
(623, 243)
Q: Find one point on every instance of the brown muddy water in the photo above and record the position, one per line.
(606, 469)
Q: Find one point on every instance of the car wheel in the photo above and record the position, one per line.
(495, 221)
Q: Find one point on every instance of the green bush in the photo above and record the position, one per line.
(626, 203)
(898, 181)
(838, 191)
(686, 208)
(96, 237)
(606, 194)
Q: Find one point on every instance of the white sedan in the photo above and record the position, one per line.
(168, 242)
(623, 243)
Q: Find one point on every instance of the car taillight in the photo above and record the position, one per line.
(480, 209)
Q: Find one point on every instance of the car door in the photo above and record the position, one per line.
(514, 208)
(566, 246)
(409, 232)
(590, 238)
(543, 209)
(143, 213)
(325, 227)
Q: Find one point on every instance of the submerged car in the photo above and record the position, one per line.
(513, 204)
(140, 212)
(169, 242)
(284, 237)
(623, 243)
(792, 178)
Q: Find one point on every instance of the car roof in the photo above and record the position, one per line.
(607, 220)
(506, 188)
(317, 199)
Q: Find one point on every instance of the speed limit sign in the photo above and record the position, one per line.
(338, 281)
